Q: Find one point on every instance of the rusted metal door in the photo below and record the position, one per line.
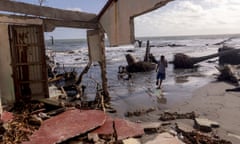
(28, 61)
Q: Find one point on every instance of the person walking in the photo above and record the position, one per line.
(161, 71)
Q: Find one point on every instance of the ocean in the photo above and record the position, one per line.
(138, 93)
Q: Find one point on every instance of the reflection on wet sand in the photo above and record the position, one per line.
(162, 100)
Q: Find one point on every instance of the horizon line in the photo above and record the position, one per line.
(157, 36)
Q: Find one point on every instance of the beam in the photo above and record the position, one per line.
(19, 19)
(49, 24)
(70, 24)
(46, 12)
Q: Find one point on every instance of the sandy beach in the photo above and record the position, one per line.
(213, 102)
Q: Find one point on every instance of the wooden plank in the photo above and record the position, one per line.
(47, 12)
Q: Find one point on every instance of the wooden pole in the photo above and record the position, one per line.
(85, 70)
(146, 58)
(103, 66)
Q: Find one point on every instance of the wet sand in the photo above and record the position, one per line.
(210, 101)
(213, 102)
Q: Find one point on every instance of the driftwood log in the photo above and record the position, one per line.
(228, 73)
(233, 58)
(138, 66)
(184, 61)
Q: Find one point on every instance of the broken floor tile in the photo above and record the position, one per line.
(126, 129)
(164, 138)
(67, 125)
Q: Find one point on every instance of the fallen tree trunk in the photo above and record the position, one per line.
(184, 61)
(138, 66)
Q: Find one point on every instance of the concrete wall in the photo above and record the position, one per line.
(6, 81)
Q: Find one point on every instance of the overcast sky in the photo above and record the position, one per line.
(180, 17)
(191, 17)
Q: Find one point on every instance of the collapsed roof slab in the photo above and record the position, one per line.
(117, 18)
(52, 17)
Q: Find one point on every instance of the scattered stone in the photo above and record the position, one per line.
(166, 116)
(139, 112)
(151, 127)
(93, 137)
(205, 125)
(198, 138)
(131, 141)
(184, 127)
(165, 138)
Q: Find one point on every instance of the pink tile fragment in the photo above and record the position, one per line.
(126, 129)
(106, 128)
(67, 125)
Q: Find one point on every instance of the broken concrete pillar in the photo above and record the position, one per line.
(1, 110)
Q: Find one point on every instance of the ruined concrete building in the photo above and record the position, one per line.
(22, 51)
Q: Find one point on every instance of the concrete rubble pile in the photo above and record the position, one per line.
(35, 124)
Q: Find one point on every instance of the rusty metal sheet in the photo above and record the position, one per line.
(126, 129)
(67, 125)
